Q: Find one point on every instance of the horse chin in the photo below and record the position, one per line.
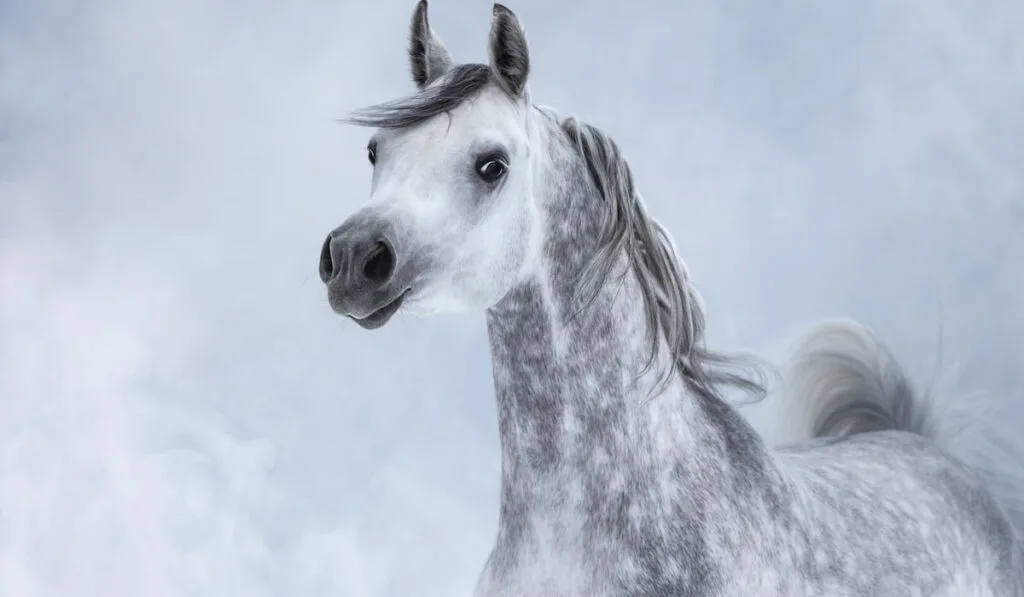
(382, 315)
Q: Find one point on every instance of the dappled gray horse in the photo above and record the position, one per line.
(624, 470)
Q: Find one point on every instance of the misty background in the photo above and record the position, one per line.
(182, 414)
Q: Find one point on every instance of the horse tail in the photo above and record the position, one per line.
(842, 380)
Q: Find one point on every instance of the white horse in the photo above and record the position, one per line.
(624, 470)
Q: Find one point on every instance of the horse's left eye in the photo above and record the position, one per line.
(371, 154)
(492, 169)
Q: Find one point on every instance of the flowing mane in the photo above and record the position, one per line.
(671, 303)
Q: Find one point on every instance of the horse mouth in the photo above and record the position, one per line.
(382, 315)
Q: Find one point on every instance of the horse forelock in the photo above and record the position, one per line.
(459, 85)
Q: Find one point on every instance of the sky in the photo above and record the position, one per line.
(182, 414)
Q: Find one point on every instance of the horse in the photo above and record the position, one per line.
(625, 469)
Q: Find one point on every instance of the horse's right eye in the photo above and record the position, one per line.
(371, 154)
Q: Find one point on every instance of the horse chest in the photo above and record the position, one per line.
(574, 573)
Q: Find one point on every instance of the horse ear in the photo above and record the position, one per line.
(510, 58)
(428, 57)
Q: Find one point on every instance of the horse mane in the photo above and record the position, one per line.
(671, 303)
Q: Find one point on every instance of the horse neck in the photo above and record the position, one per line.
(571, 395)
(581, 436)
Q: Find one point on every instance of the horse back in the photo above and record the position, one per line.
(894, 510)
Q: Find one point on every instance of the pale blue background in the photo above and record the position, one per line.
(182, 414)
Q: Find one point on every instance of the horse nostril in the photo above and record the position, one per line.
(379, 264)
(326, 262)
